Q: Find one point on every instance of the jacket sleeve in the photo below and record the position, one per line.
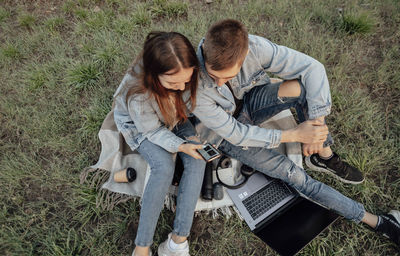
(148, 123)
(215, 118)
(291, 64)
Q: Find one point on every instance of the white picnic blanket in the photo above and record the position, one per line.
(116, 155)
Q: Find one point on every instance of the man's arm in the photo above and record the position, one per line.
(226, 126)
(291, 64)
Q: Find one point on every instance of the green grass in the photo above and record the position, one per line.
(26, 20)
(94, 116)
(10, 51)
(142, 15)
(170, 9)
(352, 24)
(55, 23)
(84, 75)
(4, 14)
(60, 65)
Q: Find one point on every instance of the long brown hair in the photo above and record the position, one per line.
(163, 52)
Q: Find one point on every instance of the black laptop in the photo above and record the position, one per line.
(278, 215)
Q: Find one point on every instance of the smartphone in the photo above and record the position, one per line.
(208, 152)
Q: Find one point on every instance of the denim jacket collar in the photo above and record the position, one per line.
(204, 76)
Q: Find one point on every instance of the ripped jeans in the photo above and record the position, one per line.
(261, 103)
(162, 171)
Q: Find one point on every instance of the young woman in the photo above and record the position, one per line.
(151, 112)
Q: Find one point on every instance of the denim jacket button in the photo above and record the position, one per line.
(253, 82)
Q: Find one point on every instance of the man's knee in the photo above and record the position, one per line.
(296, 176)
(291, 88)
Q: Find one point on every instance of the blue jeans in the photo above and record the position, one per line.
(261, 103)
(162, 170)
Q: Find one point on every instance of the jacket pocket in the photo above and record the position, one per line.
(258, 78)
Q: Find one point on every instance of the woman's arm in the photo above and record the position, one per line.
(148, 123)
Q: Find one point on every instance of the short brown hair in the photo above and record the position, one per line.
(226, 44)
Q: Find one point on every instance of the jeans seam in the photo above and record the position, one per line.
(144, 244)
(362, 213)
(180, 233)
(150, 160)
(181, 226)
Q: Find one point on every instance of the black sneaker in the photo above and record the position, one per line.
(389, 226)
(336, 167)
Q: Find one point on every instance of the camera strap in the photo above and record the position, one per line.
(246, 177)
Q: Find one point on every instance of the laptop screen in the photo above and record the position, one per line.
(288, 233)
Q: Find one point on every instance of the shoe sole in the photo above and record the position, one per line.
(320, 169)
(395, 214)
(161, 253)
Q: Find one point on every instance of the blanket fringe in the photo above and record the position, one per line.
(170, 202)
(224, 211)
(94, 177)
(105, 199)
(237, 212)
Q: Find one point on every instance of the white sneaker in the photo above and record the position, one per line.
(165, 250)
(133, 253)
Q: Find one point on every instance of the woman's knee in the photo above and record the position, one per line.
(198, 167)
(160, 162)
(165, 167)
(193, 165)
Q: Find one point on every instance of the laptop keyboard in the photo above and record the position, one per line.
(266, 198)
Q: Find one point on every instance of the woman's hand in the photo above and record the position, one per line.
(190, 149)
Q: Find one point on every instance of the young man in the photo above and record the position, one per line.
(235, 95)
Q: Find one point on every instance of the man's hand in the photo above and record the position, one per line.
(309, 149)
(309, 132)
(190, 149)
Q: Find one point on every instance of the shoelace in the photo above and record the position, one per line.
(339, 163)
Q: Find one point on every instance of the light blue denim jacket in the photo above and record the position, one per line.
(215, 104)
(141, 118)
